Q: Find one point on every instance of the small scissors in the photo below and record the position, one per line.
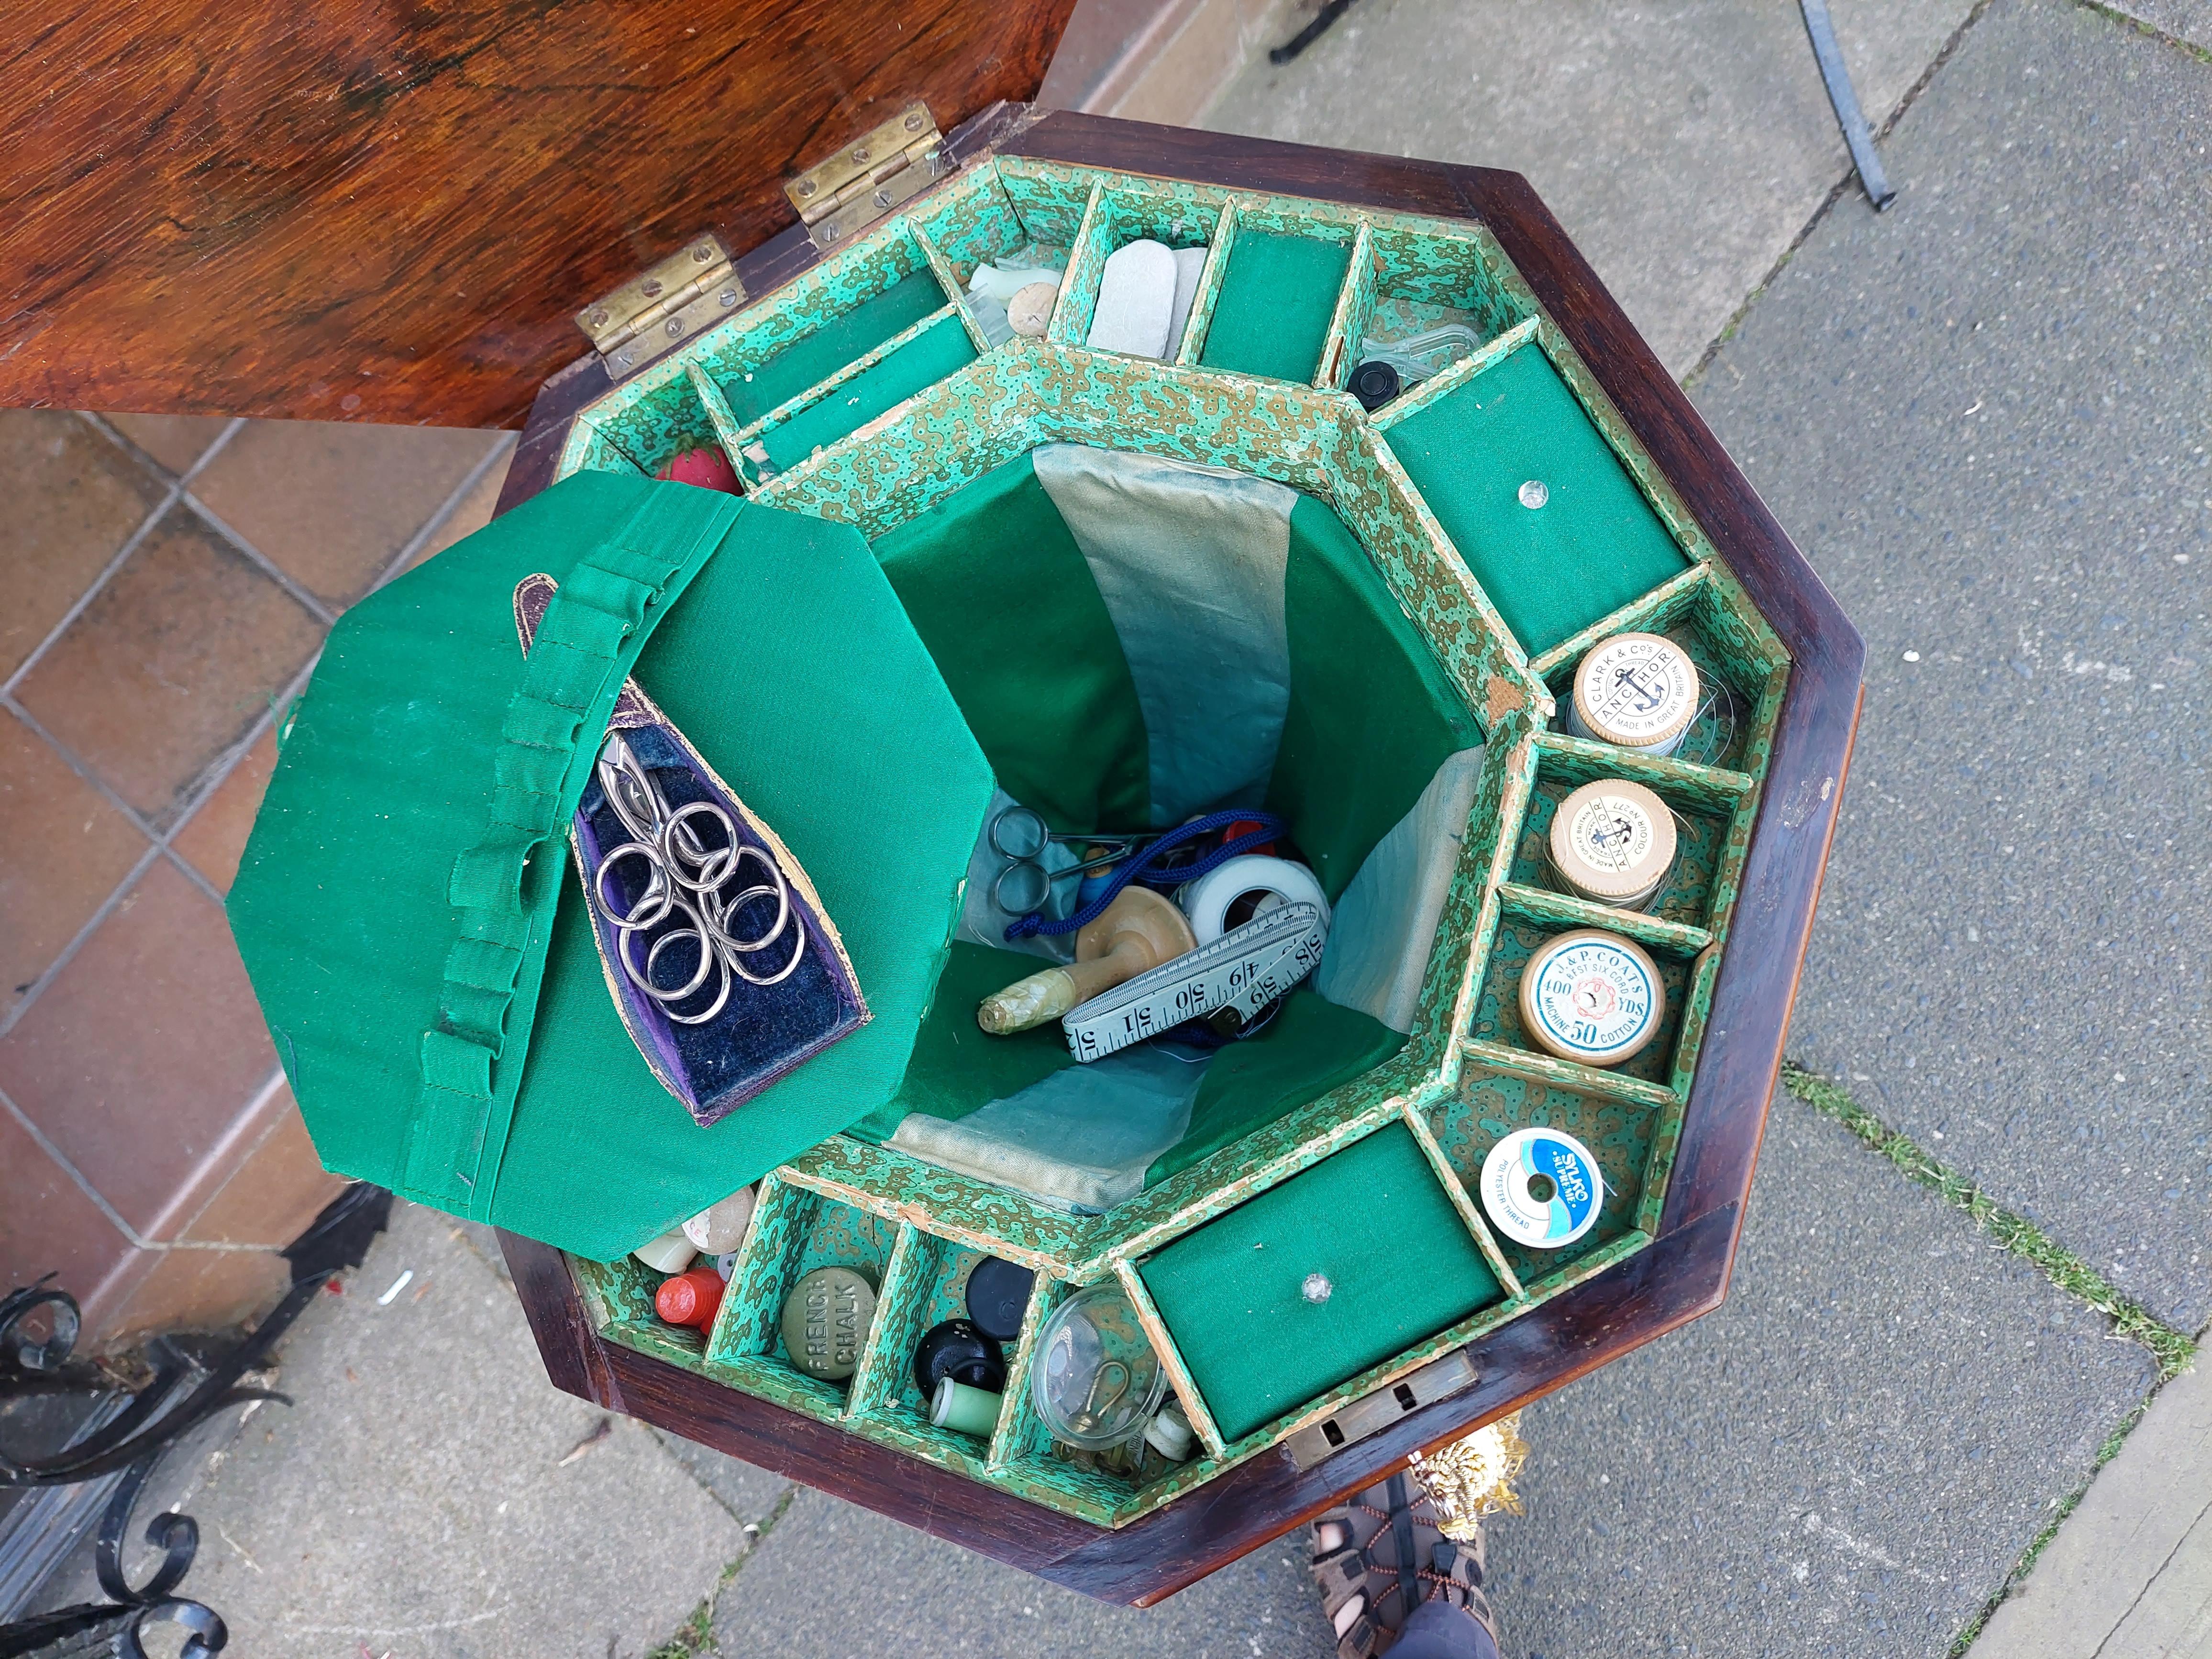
(685, 878)
(1019, 835)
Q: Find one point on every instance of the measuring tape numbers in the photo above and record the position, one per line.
(1245, 971)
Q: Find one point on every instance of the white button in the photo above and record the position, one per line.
(1316, 1288)
(1535, 494)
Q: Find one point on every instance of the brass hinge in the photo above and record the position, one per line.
(843, 195)
(653, 312)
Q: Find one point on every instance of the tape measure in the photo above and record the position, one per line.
(1246, 970)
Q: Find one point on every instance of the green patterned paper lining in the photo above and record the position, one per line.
(1465, 1078)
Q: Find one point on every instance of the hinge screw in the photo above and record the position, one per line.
(913, 121)
(598, 317)
(651, 288)
(703, 253)
(806, 187)
(860, 153)
(728, 297)
(675, 326)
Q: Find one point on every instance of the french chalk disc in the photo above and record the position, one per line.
(1591, 996)
(1636, 692)
(998, 1296)
(826, 1323)
(1541, 1187)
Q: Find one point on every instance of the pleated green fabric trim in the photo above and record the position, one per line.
(591, 634)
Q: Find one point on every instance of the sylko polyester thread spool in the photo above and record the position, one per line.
(1635, 692)
(1591, 996)
(1612, 843)
(1540, 1187)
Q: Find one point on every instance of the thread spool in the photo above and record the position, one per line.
(720, 1228)
(692, 1298)
(1541, 1187)
(1612, 842)
(1636, 692)
(1169, 1434)
(670, 1253)
(1229, 894)
(964, 1410)
(1591, 996)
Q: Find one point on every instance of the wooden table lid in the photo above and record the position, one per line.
(357, 211)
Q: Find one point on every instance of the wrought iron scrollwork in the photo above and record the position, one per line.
(39, 1327)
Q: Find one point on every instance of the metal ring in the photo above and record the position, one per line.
(782, 906)
(656, 887)
(713, 866)
(1032, 829)
(798, 950)
(1029, 894)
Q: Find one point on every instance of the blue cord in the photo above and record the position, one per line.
(1139, 867)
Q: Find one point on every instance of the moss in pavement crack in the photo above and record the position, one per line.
(2171, 1348)
(696, 1635)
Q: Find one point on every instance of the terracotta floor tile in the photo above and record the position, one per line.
(65, 849)
(214, 837)
(175, 441)
(139, 1057)
(332, 503)
(469, 514)
(276, 1192)
(73, 499)
(47, 1224)
(169, 664)
(196, 1291)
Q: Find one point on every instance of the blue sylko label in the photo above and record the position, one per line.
(1541, 1187)
(1593, 998)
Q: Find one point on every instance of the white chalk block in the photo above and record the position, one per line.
(1190, 265)
(1136, 300)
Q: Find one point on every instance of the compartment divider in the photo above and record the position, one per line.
(900, 1307)
(1580, 760)
(1697, 1009)
(750, 1321)
(1564, 913)
(1442, 383)
(1078, 285)
(941, 267)
(1209, 287)
(1565, 1074)
(1171, 1359)
(1651, 614)
(1019, 1429)
(1355, 301)
(727, 429)
(1464, 1201)
(821, 389)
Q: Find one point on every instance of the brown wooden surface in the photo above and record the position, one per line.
(358, 211)
(1685, 1272)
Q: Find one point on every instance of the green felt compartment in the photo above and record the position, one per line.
(938, 350)
(1551, 571)
(1375, 1221)
(1277, 299)
(841, 340)
(1484, 1109)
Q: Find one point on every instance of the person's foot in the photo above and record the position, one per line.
(1380, 1558)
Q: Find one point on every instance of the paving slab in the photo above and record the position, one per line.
(1682, 145)
(831, 1581)
(2189, 22)
(1845, 1458)
(415, 1500)
(1985, 418)
(2130, 1572)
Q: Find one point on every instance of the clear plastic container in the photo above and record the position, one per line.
(1096, 1382)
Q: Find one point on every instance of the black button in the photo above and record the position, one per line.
(1374, 384)
(957, 1350)
(998, 1296)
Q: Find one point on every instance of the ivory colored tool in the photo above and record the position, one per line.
(1134, 935)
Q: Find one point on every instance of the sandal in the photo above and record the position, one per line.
(1381, 1556)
